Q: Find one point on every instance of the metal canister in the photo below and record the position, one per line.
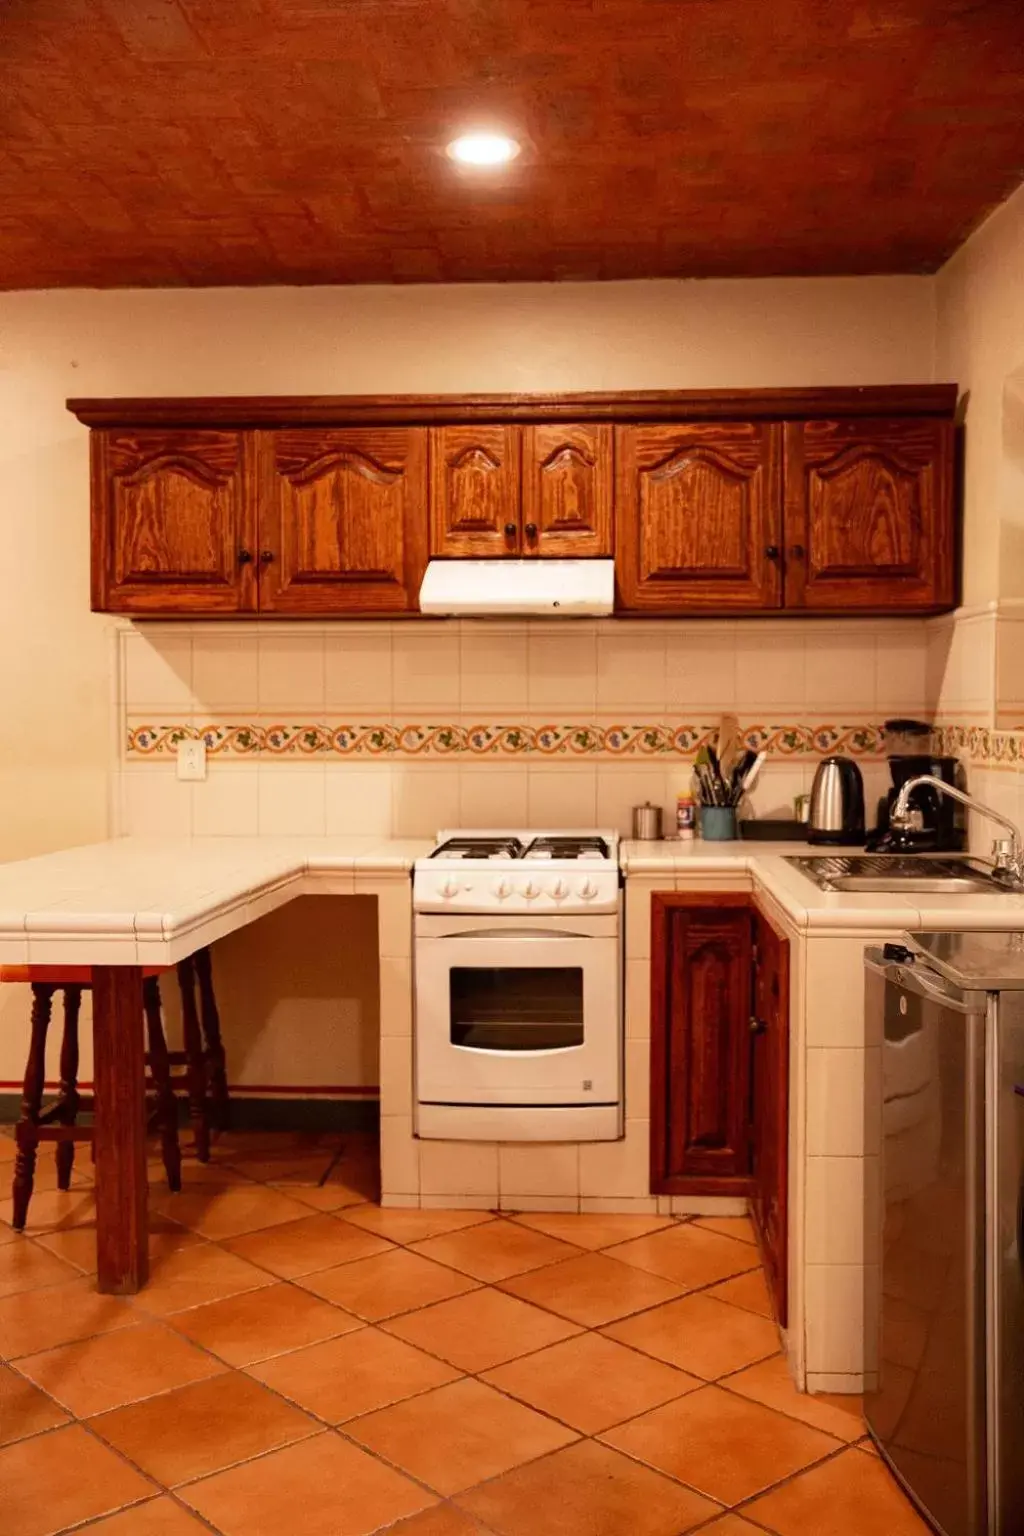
(647, 822)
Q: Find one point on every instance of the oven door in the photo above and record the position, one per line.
(518, 1016)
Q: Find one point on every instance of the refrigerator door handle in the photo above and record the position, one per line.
(925, 983)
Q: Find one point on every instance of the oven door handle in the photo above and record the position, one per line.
(505, 937)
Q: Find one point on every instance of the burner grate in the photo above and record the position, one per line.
(479, 848)
(555, 847)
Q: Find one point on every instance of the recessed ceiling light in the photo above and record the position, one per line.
(482, 149)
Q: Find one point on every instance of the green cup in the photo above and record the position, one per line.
(718, 823)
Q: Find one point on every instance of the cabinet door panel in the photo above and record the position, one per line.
(344, 519)
(698, 516)
(567, 490)
(474, 490)
(869, 514)
(770, 1106)
(700, 1044)
(173, 521)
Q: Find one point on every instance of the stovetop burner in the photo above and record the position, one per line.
(556, 847)
(479, 848)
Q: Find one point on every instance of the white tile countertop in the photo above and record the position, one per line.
(154, 900)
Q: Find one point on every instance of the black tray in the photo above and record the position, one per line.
(757, 830)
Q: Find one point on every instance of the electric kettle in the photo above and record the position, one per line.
(837, 803)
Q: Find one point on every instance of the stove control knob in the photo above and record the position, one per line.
(559, 890)
(588, 890)
(530, 890)
(502, 889)
(449, 888)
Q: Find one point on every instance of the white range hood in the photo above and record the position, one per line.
(524, 588)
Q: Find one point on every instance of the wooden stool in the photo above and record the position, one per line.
(202, 1058)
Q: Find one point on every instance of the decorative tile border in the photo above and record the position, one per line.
(980, 746)
(655, 740)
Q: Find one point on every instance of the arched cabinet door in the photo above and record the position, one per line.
(698, 514)
(869, 514)
(474, 490)
(342, 520)
(567, 490)
(173, 521)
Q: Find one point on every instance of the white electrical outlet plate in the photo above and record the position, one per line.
(191, 759)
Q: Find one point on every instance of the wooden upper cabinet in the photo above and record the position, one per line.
(700, 1044)
(567, 490)
(699, 516)
(869, 514)
(343, 525)
(770, 1104)
(173, 521)
(474, 490)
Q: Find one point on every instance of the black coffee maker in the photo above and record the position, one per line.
(938, 822)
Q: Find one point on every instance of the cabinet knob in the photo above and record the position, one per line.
(510, 530)
(531, 530)
(796, 551)
(245, 557)
(772, 552)
(266, 556)
(757, 1026)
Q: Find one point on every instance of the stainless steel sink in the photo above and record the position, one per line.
(894, 872)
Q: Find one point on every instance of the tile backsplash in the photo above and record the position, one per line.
(399, 728)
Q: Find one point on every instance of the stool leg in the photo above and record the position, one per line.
(209, 1021)
(195, 1062)
(27, 1131)
(160, 1071)
(69, 1098)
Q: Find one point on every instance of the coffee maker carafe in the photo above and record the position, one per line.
(938, 823)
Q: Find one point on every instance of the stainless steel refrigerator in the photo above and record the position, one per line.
(945, 1307)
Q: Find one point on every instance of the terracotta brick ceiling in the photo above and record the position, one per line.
(156, 142)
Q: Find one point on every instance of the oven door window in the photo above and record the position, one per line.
(516, 1008)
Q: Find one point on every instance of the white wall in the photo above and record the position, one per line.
(54, 746)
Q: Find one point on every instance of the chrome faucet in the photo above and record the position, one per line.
(1007, 852)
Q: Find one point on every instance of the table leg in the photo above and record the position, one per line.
(119, 1071)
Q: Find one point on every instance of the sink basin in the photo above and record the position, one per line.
(894, 872)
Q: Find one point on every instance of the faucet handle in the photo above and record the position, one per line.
(1004, 852)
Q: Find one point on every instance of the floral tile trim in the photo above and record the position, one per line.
(981, 746)
(657, 740)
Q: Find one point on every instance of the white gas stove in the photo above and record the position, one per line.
(518, 952)
(515, 872)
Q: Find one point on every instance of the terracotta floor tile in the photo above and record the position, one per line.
(259, 1324)
(57, 1480)
(33, 1321)
(393, 1282)
(480, 1330)
(732, 1525)
(868, 1446)
(688, 1255)
(286, 1165)
(195, 1274)
(459, 1435)
(586, 1490)
(24, 1265)
(708, 1338)
(442, 1520)
(749, 1291)
(353, 1375)
(721, 1445)
(771, 1384)
(592, 1289)
(495, 1250)
(160, 1517)
(52, 1208)
(739, 1227)
(304, 1246)
(24, 1410)
(200, 1429)
(323, 1487)
(591, 1229)
(852, 1495)
(590, 1383)
(354, 1187)
(77, 1245)
(118, 1368)
(412, 1226)
(227, 1210)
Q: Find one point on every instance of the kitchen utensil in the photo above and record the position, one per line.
(837, 802)
(728, 744)
(749, 778)
(647, 822)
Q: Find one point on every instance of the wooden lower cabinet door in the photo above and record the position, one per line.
(770, 1105)
(698, 516)
(343, 520)
(173, 521)
(870, 520)
(700, 1044)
